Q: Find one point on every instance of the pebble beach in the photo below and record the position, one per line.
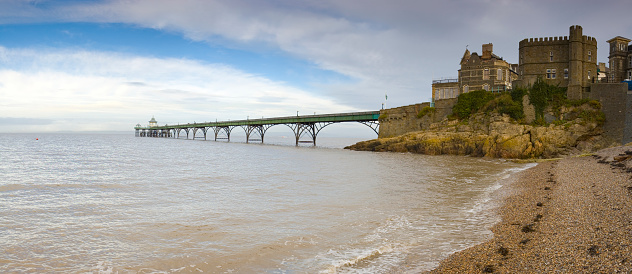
(572, 215)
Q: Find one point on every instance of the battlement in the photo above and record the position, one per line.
(575, 35)
(545, 41)
(589, 40)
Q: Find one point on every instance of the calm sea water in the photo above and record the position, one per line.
(119, 203)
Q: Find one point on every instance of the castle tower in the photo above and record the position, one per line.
(575, 53)
(618, 59)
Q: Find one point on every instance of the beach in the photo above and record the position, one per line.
(572, 215)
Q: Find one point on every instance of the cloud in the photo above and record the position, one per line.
(87, 90)
(393, 47)
(385, 46)
(11, 121)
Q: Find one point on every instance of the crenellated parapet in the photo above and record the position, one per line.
(559, 40)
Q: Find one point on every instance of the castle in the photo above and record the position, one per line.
(568, 61)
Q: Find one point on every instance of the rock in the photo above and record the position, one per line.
(494, 135)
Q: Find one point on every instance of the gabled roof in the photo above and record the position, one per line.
(466, 57)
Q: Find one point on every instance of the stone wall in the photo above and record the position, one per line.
(616, 104)
(627, 132)
(402, 120)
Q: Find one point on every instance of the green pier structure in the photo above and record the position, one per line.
(305, 126)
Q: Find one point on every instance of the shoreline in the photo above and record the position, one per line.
(572, 215)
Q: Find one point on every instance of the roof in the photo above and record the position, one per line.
(619, 38)
(466, 56)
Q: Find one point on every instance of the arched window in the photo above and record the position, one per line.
(466, 89)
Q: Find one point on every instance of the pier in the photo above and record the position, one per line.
(305, 126)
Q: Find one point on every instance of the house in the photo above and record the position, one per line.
(487, 71)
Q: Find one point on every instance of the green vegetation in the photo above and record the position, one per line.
(504, 104)
(543, 96)
(485, 101)
(470, 103)
(424, 111)
(383, 116)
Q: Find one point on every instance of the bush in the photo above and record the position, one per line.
(424, 111)
(542, 93)
(517, 94)
(507, 105)
(470, 103)
(595, 104)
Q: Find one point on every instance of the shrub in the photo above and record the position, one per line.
(424, 111)
(541, 93)
(517, 94)
(595, 104)
(513, 108)
(470, 103)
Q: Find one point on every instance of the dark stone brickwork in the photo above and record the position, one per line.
(627, 133)
(616, 105)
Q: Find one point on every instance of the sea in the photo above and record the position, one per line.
(116, 203)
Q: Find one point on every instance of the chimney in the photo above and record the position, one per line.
(487, 51)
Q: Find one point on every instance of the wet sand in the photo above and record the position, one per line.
(572, 215)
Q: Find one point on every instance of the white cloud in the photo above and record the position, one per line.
(108, 91)
(393, 47)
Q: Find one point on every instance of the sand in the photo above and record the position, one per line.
(572, 215)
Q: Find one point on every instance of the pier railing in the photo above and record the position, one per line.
(309, 125)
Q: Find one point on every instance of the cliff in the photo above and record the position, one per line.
(575, 130)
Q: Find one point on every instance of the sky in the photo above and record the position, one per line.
(107, 65)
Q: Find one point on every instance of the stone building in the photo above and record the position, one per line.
(445, 89)
(569, 61)
(487, 71)
(620, 59)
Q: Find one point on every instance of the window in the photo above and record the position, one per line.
(550, 74)
(630, 75)
(589, 75)
(630, 62)
(499, 75)
(466, 89)
(565, 73)
(551, 56)
(589, 55)
(486, 87)
(486, 74)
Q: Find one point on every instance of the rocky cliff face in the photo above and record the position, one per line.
(494, 135)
